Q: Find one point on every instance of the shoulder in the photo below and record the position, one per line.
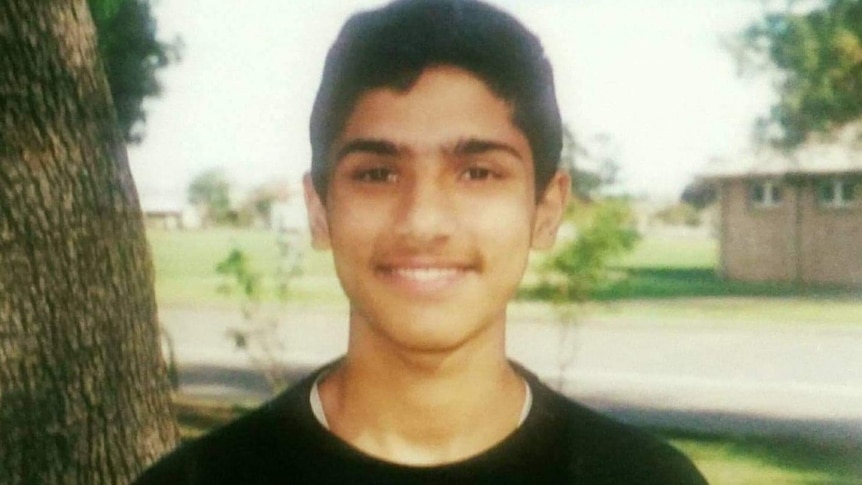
(598, 449)
(252, 444)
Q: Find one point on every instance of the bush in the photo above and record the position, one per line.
(580, 266)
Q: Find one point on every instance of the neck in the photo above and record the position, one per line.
(422, 407)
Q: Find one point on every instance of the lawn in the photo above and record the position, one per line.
(754, 461)
(656, 268)
(680, 268)
(661, 279)
(672, 279)
(186, 263)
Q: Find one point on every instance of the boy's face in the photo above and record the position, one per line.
(431, 211)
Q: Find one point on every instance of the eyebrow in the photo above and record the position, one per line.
(466, 146)
(367, 145)
(476, 146)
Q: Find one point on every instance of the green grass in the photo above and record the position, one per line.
(186, 262)
(669, 282)
(671, 253)
(661, 279)
(672, 280)
(662, 268)
(685, 268)
(723, 460)
(756, 461)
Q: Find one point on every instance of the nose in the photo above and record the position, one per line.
(426, 211)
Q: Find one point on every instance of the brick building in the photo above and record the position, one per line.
(792, 218)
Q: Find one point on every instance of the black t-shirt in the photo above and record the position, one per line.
(560, 442)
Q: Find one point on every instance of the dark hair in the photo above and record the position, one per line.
(393, 45)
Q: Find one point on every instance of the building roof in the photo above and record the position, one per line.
(839, 155)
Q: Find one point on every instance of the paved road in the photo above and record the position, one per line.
(790, 379)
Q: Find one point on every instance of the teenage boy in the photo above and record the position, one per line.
(435, 141)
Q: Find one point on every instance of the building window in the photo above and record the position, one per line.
(766, 193)
(840, 192)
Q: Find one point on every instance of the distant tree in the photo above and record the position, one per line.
(605, 152)
(678, 214)
(131, 55)
(817, 56)
(210, 193)
(84, 397)
(572, 156)
(592, 164)
(699, 194)
(257, 206)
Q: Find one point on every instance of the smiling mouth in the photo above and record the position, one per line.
(423, 279)
(426, 274)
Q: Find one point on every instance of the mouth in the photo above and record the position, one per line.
(424, 279)
(425, 274)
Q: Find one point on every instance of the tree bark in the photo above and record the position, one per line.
(84, 397)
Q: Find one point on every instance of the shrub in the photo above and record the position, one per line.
(580, 266)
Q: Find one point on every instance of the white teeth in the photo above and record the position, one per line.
(426, 274)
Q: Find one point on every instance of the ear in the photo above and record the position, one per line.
(317, 222)
(549, 211)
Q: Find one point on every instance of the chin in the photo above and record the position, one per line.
(433, 331)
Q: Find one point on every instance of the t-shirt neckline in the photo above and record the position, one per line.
(320, 415)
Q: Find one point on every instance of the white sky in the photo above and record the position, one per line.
(651, 74)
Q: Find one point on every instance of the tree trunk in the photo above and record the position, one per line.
(84, 397)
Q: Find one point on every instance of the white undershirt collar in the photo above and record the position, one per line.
(320, 415)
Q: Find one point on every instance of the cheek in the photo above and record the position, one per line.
(354, 220)
(503, 229)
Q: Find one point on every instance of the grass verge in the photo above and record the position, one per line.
(746, 460)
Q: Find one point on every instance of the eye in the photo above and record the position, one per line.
(375, 175)
(479, 173)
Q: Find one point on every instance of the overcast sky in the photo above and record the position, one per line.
(650, 74)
